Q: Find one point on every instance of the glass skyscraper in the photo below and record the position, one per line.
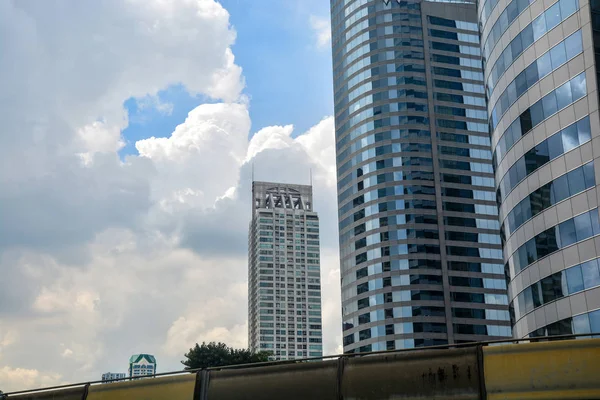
(421, 255)
(284, 278)
(541, 82)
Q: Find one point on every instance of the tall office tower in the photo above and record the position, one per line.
(543, 105)
(284, 283)
(419, 234)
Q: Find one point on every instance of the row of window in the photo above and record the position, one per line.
(387, 251)
(421, 264)
(382, 83)
(390, 68)
(461, 86)
(567, 185)
(554, 58)
(558, 285)
(390, 135)
(463, 99)
(468, 180)
(378, 21)
(378, 32)
(451, 23)
(556, 145)
(455, 48)
(564, 234)
(532, 32)
(510, 13)
(396, 176)
(387, 149)
(474, 62)
(387, 206)
(583, 323)
(458, 73)
(462, 112)
(461, 37)
(468, 139)
(380, 96)
(391, 121)
(371, 153)
(390, 56)
(381, 70)
(486, 10)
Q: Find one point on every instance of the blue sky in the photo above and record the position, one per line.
(288, 79)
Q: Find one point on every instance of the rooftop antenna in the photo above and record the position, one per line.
(252, 172)
(311, 177)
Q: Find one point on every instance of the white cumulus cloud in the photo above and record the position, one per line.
(103, 257)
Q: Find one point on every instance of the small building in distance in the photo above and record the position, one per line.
(111, 376)
(142, 365)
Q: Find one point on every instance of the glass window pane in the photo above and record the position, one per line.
(567, 7)
(555, 146)
(544, 65)
(576, 181)
(588, 172)
(531, 74)
(564, 96)
(549, 104)
(583, 129)
(525, 121)
(595, 223)
(578, 88)
(583, 226)
(567, 233)
(581, 324)
(591, 274)
(521, 83)
(570, 137)
(595, 321)
(552, 16)
(527, 36)
(537, 113)
(574, 279)
(539, 27)
(558, 55)
(574, 44)
(560, 189)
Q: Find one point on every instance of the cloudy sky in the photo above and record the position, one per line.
(128, 130)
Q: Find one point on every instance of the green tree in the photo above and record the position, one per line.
(219, 354)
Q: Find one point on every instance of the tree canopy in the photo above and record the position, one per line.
(219, 354)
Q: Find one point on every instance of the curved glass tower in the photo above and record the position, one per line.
(543, 106)
(421, 257)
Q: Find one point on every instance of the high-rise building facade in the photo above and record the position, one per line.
(284, 282)
(421, 256)
(142, 365)
(111, 376)
(541, 84)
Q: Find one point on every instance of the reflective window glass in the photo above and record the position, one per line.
(567, 233)
(558, 55)
(564, 96)
(574, 280)
(595, 321)
(570, 137)
(591, 274)
(552, 16)
(583, 226)
(578, 86)
(549, 104)
(581, 324)
(576, 181)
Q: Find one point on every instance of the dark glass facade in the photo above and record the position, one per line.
(421, 255)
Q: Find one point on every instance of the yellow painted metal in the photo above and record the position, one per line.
(166, 388)
(59, 394)
(568, 369)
